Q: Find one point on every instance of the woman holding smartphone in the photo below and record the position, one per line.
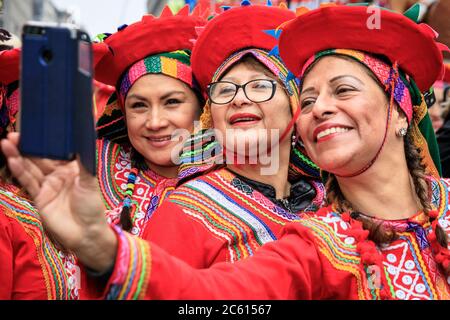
(384, 231)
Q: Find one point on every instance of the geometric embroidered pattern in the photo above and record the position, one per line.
(410, 269)
(59, 269)
(113, 168)
(243, 218)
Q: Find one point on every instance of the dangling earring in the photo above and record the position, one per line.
(294, 141)
(402, 132)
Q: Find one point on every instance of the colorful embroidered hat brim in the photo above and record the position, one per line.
(9, 65)
(226, 39)
(235, 29)
(144, 38)
(394, 36)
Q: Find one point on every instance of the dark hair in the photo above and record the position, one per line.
(198, 93)
(137, 164)
(446, 113)
(5, 36)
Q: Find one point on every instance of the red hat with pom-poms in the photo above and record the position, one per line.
(235, 29)
(371, 29)
(149, 36)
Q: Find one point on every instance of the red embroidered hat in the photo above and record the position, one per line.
(148, 37)
(233, 30)
(9, 66)
(370, 29)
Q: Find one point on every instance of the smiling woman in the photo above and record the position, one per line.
(153, 117)
(226, 211)
(250, 115)
(334, 253)
(346, 89)
(139, 129)
(383, 234)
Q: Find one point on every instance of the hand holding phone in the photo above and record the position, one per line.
(56, 93)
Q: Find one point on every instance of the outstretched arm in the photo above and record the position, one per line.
(289, 268)
(72, 210)
(69, 201)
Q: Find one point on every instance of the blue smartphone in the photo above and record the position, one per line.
(56, 93)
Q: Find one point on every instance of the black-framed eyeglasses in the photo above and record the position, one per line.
(258, 90)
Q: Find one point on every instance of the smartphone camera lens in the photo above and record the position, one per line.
(47, 56)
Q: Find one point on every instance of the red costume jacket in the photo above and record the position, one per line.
(323, 256)
(31, 267)
(218, 217)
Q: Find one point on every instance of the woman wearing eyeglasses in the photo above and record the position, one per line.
(383, 234)
(228, 206)
(243, 179)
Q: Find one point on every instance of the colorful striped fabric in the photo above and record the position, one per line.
(58, 268)
(174, 64)
(410, 268)
(234, 212)
(132, 268)
(113, 168)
